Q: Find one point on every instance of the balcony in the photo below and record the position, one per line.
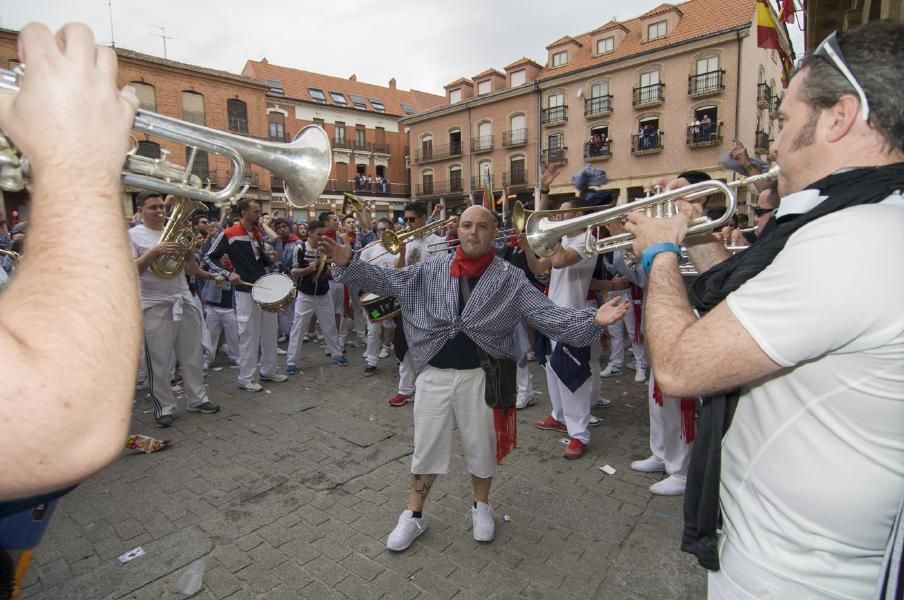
(481, 144)
(704, 134)
(373, 188)
(555, 115)
(515, 137)
(649, 95)
(238, 125)
(361, 146)
(598, 150)
(763, 95)
(516, 178)
(601, 105)
(434, 153)
(646, 144)
(439, 188)
(344, 143)
(478, 183)
(381, 147)
(774, 104)
(706, 84)
(555, 156)
(761, 145)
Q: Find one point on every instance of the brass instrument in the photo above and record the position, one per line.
(351, 200)
(304, 163)
(520, 214)
(544, 235)
(447, 245)
(12, 254)
(393, 241)
(177, 230)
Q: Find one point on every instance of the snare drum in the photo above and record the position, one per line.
(379, 308)
(273, 292)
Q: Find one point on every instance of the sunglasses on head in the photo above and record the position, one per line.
(762, 211)
(830, 51)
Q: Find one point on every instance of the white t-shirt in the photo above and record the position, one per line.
(155, 290)
(377, 255)
(813, 464)
(569, 286)
(416, 250)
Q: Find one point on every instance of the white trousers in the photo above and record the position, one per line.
(444, 395)
(306, 306)
(375, 340)
(257, 336)
(284, 318)
(407, 376)
(169, 329)
(571, 408)
(617, 332)
(223, 320)
(337, 293)
(666, 442)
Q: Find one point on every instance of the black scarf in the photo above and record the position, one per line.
(867, 185)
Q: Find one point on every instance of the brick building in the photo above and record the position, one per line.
(625, 97)
(362, 120)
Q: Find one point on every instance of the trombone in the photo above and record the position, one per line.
(393, 241)
(545, 235)
(446, 245)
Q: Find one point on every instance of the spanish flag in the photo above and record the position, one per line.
(488, 200)
(766, 31)
(787, 12)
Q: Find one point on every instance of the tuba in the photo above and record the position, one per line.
(177, 230)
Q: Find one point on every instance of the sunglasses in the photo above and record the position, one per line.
(762, 211)
(830, 51)
(410, 219)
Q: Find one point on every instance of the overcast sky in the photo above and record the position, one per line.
(424, 44)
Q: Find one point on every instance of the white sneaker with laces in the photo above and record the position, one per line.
(640, 375)
(610, 371)
(252, 386)
(670, 486)
(602, 403)
(406, 531)
(280, 352)
(277, 377)
(384, 352)
(484, 522)
(651, 464)
(523, 403)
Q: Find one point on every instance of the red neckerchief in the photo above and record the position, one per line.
(352, 238)
(471, 268)
(292, 238)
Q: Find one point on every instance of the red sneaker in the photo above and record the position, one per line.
(400, 400)
(551, 424)
(574, 449)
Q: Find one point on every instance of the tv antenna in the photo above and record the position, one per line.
(162, 35)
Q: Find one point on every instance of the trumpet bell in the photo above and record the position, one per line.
(306, 169)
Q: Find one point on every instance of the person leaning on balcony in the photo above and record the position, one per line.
(72, 123)
(798, 467)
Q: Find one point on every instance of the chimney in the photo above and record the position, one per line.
(265, 61)
(353, 77)
(392, 83)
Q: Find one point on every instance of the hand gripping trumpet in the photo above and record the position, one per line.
(545, 235)
(304, 163)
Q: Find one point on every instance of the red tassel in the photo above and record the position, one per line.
(637, 305)
(689, 419)
(346, 302)
(505, 421)
(657, 393)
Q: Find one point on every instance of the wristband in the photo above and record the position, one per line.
(646, 257)
(546, 191)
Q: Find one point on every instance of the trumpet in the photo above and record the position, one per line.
(446, 245)
(393, 241)
(545, 235)
(304, 163)
(521, 214)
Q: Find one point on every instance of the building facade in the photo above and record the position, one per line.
(663, 93)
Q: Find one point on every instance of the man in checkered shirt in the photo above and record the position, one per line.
(443, 333)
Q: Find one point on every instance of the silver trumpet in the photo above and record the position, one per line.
(545, 235)
(446, 245)
(304, 163)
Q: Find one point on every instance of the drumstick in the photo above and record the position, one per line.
(253, 284)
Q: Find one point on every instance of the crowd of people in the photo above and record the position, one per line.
(775, 402)
(368, 183)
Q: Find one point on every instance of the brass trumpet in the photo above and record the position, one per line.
(393, 241)
(545, 235)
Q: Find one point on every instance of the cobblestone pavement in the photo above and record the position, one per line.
(290, 493)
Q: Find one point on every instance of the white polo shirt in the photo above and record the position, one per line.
(813, 464)
(569, 286)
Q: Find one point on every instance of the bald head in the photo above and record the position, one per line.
(476, 230)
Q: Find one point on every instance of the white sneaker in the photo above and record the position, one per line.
(670, 486)
(282, 338)
(649, 465)
(277, 377)
(631, 365)
(252, 386)
(280, 352)
(611, 371)
(640, 375)
(594, 421)
(523, 403)
(484, 524)
(602, 403)
(384, 352)
(406, 531)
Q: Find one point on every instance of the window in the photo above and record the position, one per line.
(605, 45)
(485, 169)
(200, 166)
(455, 141)
(518, 129)
(377, 104)
(517, 172)
(339, 98)
(555, 100)
(455, 96)
(340, 132)
(407, 109)
(237, 112)
(484, 135)
(518, 77)
(360, 136)
(455, 178)
(147, 97)
(555, 141)
(427, 179)
(427, 147)
(656, 30)
(560, 58)
(193, 108)
(317, 95)
(599, 143)
(318, 122)
(598, 90)
(276, 88)
(707, 64)
(483, 87)
(358, 101)
(277, 126)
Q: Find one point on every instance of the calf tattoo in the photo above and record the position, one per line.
(422, 484)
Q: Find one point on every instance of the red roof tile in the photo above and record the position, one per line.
(662, 8)
(458, 82)
(567, 39)
(490, 71)
(523, 61)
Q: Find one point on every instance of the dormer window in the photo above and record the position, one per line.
(317, 95)
(377, 104)
(358, 101)
(455, 96)
(560, 58)
(605, 45)
(339, 98)
(518, 77)
(656, 30)
(483, 87)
